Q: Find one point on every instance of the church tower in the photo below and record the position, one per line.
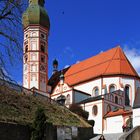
(36, 25)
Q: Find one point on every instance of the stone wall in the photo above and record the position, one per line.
(74, 133)
(133, 134)
(51, 132)
(85, 133)
(11, 131)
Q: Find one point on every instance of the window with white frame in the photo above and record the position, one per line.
(112, 88)
(127, 95)
(95, 91)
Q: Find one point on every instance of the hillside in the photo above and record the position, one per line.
(19, 108)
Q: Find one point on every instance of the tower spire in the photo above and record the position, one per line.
(39, 2)
(36, 25)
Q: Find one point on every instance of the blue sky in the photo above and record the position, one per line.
(83, 28)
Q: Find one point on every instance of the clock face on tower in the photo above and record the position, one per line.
(42, 68)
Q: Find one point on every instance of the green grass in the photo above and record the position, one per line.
(20, 108)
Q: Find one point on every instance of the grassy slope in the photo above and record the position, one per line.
(15, 107)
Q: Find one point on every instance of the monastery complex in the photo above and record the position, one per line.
(105, 85)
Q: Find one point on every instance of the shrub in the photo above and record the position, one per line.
(75, 108)
(38, 125)
(91, 122)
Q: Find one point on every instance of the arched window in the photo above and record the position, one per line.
(26, 48)
(116, 99)
(95, 91)
(25, 58)
(120, 101)
(127, 95)
(33, 67)
(43, 58)
(42, 36)
(95, 110)
(111, 88)
(42, 48)
(112, 98)
(34, 34)
(68, 99)
(108, 108)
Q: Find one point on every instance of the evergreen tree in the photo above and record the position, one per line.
(38, 125)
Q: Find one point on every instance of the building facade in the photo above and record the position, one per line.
(105, 85)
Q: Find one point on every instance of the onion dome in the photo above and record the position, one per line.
(36, 14)
(55, 63)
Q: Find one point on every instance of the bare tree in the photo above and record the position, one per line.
(11, 30)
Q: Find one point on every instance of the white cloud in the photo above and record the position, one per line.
(133, 54)
(66, 66)
(77, 61)
(68, 51)
(19, 83)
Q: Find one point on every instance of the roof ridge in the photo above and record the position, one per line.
(120, 51)
(132, 67)
(88, 67)
(95, 55)
(93, 64)
(111, 61)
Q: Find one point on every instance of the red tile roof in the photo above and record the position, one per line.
(111, 62)
(118, 112)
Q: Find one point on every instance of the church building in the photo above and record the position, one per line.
(105, 85)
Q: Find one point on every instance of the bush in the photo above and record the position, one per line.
(91, 122)
(38, 125)
(77, 109)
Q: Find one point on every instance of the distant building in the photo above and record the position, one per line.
(105, 85)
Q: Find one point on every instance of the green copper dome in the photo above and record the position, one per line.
(36, 14)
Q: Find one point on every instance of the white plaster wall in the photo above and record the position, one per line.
(136, 117)
(98, 117)
(65, 94)
(137, 84)
(57, 89)
(89, 86)
(131, 82)
(114, 124)
(25, 81)
(111, 80)
(34, 83)
(34, 56)
(43, 86)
